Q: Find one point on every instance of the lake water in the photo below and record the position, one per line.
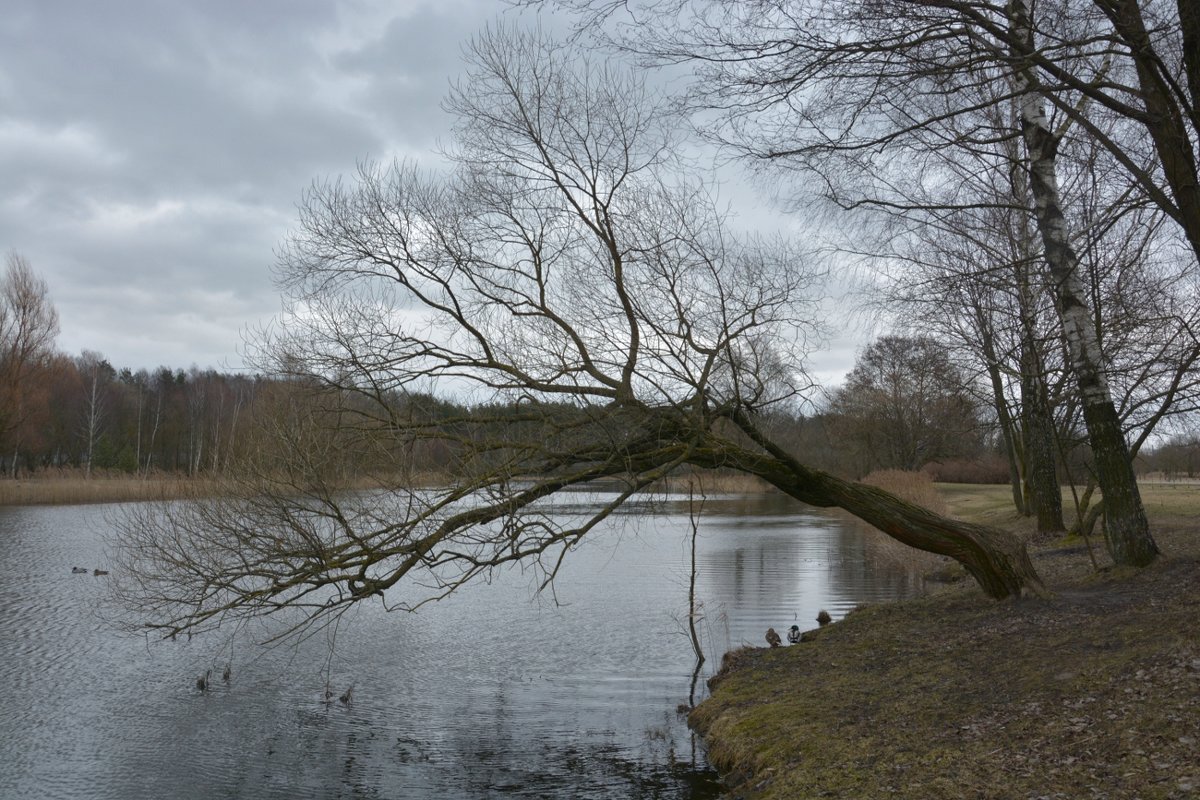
(494, 692)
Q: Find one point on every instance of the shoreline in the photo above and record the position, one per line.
(1094, 692)
(78, 490)
(75, 489)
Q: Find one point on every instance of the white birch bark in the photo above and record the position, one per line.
(1127, 532)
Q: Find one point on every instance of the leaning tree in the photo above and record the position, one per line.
(844, 92)
(563, 273)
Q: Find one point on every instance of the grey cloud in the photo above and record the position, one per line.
(153, 151)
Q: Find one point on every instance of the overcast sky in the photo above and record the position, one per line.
(152, 151)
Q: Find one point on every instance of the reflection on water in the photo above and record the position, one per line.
(492, 692)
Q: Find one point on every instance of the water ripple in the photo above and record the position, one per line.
(492, 692)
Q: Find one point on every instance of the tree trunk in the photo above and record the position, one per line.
(1127, 532)
(1041, 474)
(1008, 433)
(1043, 492)
(1167, 118)
(996, 559)
(1189, 24)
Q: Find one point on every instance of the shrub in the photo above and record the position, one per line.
(990, 469)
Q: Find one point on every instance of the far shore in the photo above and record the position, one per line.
(77, 489)
(72, 487)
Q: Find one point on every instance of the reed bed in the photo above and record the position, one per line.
(882, 550)
(74, 488)
(716, 482)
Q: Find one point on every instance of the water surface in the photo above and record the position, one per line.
(493, 692)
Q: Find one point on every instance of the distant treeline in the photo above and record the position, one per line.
(82, 413)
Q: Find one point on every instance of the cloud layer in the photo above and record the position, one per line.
(153, 152)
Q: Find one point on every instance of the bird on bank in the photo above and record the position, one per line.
(793, 634)
(773, 638)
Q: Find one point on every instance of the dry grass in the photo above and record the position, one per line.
(984, 503)
(713, 482)
(1171, 503)
(881, 549)
(73, 488)
(1168, 504)
(1094, 692)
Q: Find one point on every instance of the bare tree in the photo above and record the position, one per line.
(97, 374)
(28, 327)
(961, 261)
(1127, 532)
(841, 89)
(565, 272)
(905, 404)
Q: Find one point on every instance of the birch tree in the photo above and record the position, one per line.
(96, 374)
(1127, 531)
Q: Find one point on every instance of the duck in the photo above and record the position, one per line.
(99, 571)
(823, 618)
(773, 638)
(79, 570)
(203, 681)
(347, 695)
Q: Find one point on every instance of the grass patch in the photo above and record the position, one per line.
(1094, 692)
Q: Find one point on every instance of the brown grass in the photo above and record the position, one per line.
(882, 550)
(1168, 504)
(718, 482)
(70, 487)
(1094, 692)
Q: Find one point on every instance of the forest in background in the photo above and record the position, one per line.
(908, 404)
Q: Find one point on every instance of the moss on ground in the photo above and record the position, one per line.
(1092, 693)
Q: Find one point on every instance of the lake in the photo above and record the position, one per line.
(493, 692)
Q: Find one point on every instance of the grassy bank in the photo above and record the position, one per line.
(1094, 693)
